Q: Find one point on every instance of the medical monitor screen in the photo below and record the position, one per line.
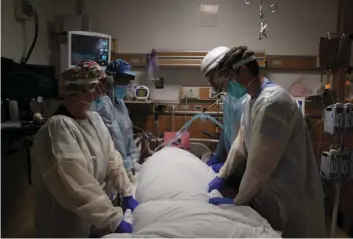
(85, 47)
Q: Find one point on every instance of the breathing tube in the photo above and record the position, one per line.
(186, 126)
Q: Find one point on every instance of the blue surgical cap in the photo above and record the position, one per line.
(119, 67)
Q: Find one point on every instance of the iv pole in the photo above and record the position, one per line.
(262, 21)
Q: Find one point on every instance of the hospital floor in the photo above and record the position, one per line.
(339, 232)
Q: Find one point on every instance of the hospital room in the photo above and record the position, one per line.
(177, 118)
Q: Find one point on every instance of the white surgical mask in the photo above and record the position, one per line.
(82, 101)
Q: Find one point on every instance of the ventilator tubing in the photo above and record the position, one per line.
(187, 125)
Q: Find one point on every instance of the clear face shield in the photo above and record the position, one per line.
(216, 81)
(122, 83)
(85, 96)
(219, 81)
(110, 87)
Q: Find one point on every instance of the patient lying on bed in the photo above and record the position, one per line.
(172, 192)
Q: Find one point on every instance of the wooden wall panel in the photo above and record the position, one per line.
(166, 125)
(204, 93)
(295, 63)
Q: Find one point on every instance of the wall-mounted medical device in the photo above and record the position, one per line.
(83, 45)
(337, 164)
(334, 118)
(330, 161)
(338, 118)
(301, 103)
(142, 92)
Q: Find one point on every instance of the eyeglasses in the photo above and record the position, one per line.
(216, 82)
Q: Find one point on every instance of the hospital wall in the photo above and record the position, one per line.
(138, 25)
(177, 25)
(16, 38)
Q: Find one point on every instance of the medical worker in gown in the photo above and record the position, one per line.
(115, 115)
(281, 179)
(73, 155)
(233, 108)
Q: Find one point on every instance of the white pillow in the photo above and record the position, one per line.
(172, 192)
(184, 177)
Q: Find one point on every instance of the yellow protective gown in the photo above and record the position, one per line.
(71, 160)
(281, 179)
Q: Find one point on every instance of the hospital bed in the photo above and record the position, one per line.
(172, 191)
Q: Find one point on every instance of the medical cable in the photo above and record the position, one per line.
(186, 107)
(36, 29)
(146, 133)
(146, 136)
(173, 110)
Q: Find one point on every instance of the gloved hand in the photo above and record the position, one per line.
(220, 201)
(213, 160)
(216, 183)
(129, 203)
(124, 227)
(216, 167)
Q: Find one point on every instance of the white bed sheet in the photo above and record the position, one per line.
(172, 192)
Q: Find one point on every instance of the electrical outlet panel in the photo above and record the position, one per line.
(23, 10)
(191, 92)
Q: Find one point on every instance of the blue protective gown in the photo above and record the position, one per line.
(116, 118)
(232, 111)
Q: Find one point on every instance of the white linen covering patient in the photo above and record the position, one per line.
(172, 192)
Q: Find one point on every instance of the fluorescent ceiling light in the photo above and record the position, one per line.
(209, 8)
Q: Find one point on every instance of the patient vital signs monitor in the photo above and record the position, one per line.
(85, 46)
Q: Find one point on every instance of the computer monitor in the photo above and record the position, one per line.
(88, 46)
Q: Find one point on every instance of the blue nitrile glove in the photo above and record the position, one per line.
(124, 227)
(216, 167)
(220, 201)
(213, 160)
(216, 183)
(129, 203)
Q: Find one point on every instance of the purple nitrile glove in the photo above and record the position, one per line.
(216, 167)
(124, 227)
(220, 201)
(213, 160)
(217, 183)
(129, 203)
